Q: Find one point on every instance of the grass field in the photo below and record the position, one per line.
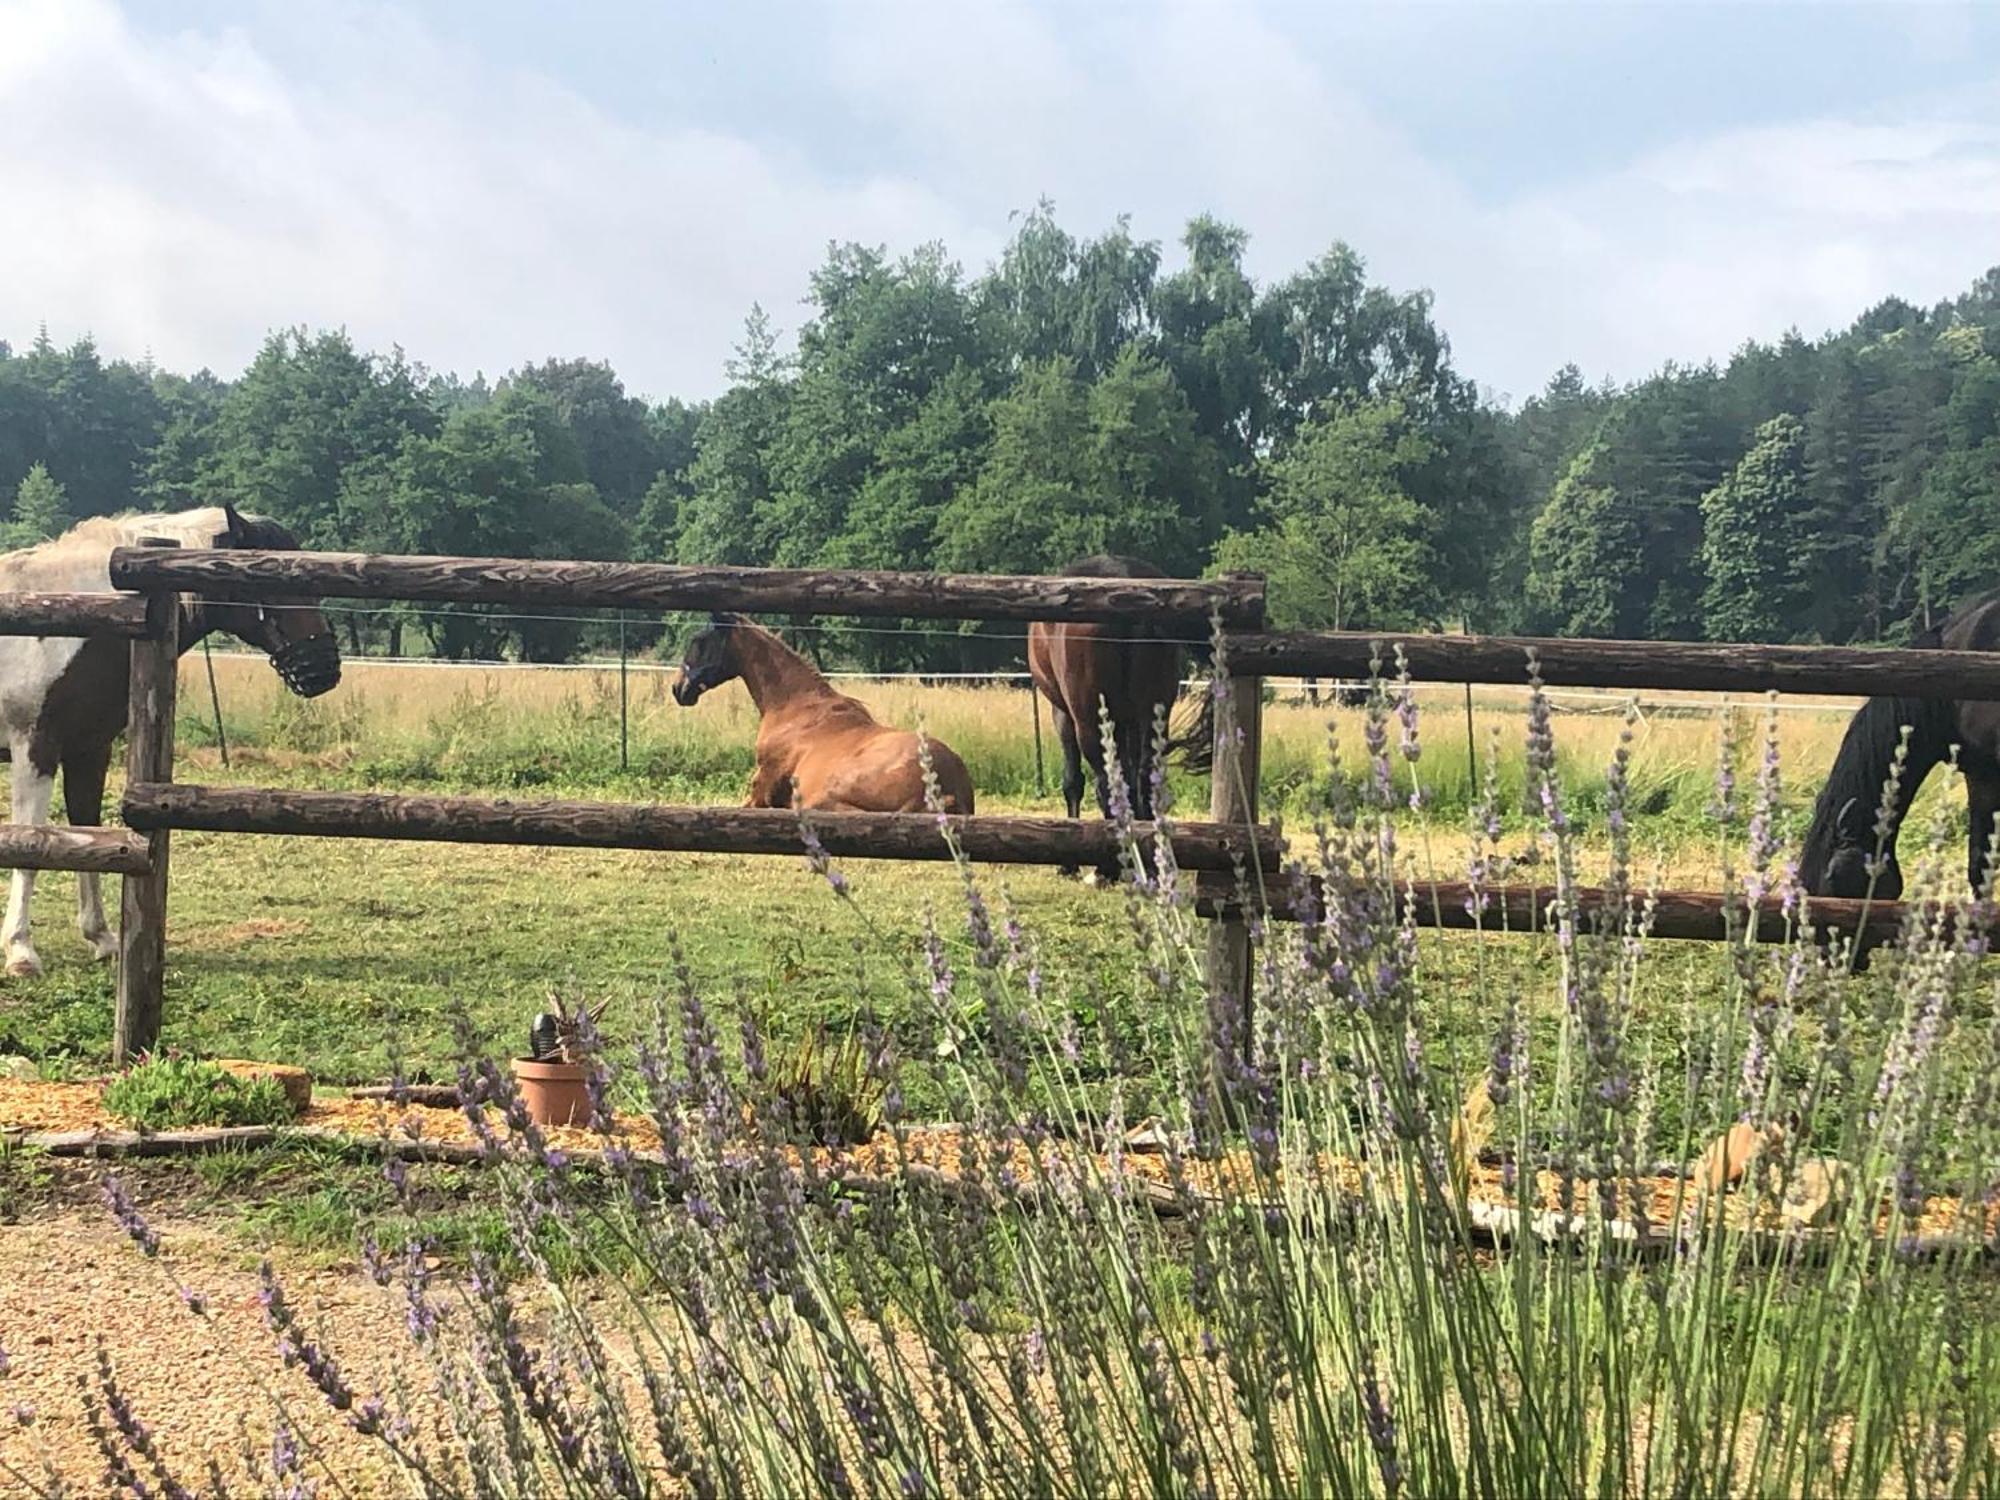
(347, 956)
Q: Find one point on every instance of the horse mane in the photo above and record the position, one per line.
(1111, 565)
(96, 536)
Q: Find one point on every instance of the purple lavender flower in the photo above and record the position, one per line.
(294, 1347)
(1380, 1421)
(817, 859)
(286, 1469)
(943, 981)
(129, 1219)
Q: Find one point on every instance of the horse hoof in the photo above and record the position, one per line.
(103, 948)
(26, 966)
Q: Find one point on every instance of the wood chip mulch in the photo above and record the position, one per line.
(75, 1112)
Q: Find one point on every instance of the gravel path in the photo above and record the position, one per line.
(204, 1387)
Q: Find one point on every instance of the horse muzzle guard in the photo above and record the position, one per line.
(309, 666)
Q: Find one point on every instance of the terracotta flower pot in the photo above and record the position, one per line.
(553, 1091)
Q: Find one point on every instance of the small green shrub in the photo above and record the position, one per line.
(823, 1091)
(180, 1093)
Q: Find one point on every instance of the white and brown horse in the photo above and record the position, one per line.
(816, 748)
(63, 700)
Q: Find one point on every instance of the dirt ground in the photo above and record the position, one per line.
(209, 1387)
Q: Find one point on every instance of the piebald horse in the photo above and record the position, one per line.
(816, 748)
(1833, 861)
(63, 700)
(1121, 671)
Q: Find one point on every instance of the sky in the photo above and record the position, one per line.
(484, 184)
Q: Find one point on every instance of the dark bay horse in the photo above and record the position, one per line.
(1126, 670)
(63, 701)
(816, 748)
(1833, 860)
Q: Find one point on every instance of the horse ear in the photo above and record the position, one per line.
(236, 531)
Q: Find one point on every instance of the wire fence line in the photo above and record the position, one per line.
(1586, 700)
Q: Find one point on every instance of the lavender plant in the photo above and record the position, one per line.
(1297, 1287)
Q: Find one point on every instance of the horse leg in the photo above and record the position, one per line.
(33, 790)
(1982, 795)
(83, 803)
(1072, 776)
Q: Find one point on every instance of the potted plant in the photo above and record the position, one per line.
(553, 1077)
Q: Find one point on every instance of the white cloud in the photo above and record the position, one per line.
(189, 193)
(187, 197)
(1687, 253)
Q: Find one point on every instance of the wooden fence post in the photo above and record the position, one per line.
(1232, 801)
(149, 757)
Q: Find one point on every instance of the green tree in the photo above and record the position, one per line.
(1345, 545)
(1949, 529)
(1750, 543)
(41, 508)
(613, 433)
(311, 409)
(726, 517)
(1077, 468)
(1586, 557)
(89, 422)
(1052, 296)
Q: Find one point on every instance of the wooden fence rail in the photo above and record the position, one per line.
(103, 851)
(157, 806)
(226, 573)
(1180, 608)
(1701, 666)
(1700, 915)
(72, 614)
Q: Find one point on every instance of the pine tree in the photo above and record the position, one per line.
(41, 508)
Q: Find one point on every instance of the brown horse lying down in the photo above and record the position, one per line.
(816, 748)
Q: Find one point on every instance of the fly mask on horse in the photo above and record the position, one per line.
(63, 701)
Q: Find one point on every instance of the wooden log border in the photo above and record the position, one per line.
(1696, 666)
(154, 806)
(229, 573)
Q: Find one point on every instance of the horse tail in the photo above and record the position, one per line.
(1193, 744)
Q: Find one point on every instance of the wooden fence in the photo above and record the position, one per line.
(146, 613)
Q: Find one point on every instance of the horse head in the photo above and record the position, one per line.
(294, 634)
(710, 660)
(1837, 854)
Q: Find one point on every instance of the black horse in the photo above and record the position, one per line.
(1842, 838)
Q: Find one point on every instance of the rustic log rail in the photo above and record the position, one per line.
(157, 806)
(1700, 915)
(226, 573)
(103, 851)
(72, 615)
(1701, 666)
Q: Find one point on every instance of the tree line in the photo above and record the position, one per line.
(1076, 397)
